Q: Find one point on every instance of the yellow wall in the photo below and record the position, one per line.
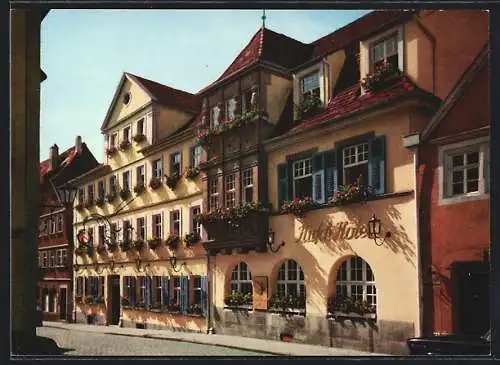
(335, 62)
(277, 93)
(171, 120)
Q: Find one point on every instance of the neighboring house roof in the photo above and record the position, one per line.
(160, 93)
(98, 170)
(458, 90)
(65, 158)
(350, 101)
(266, 45)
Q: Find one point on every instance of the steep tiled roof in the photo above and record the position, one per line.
(267, 45)
(351, 100)
(168, 95)
(64, 160)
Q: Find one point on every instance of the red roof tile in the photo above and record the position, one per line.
(169, 96)
(350, 100)
(64, 160)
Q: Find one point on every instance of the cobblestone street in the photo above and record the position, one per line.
(80, 343)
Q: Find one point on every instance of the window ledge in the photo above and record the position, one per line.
(463, 198)
(248, 308)
(352, 316)
(291, 311)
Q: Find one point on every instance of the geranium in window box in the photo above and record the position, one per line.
(89, 203)
(154, 183)
(101, 249)
(112, 246)
(111, 151)
(139, 188)
(124, 301)
(141, 305)
(89, 299)
(156, 306)
(340, 306)
(192, 238)
(351, 193)
(172, 180)
(125, 145)
(194, 310)
(99, 201)
(192, 172)
(382, 77)
(309, 107)
(174, 307)
(172, 241)
(110, 197)
(298, 207)
(154, 242)
(233, 215)
(79, 299)
(287, 304)
(139, 137)
(239, 300)
(124, 193)
(139, 244)
(126, 245)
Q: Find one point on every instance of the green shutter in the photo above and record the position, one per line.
(149, 292)
(164, 288)
(184, 294)
(376, 165)
(204, 296)
(331, 173)
(318, 178)
(133, 292)
(283, 194)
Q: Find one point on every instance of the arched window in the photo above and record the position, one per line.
(241, 279)
(355, 280)
(290, 280)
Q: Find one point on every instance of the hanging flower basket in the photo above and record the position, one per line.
(154, 243)
(154, 183)
(298, 207)
(99, 201)
(124, 193)
(192, 172)
(111, 197)
(172, 241)
(192, 239)
(139, 189)
(382, 77)
(172, 180)
(125, 145)
(138, 138)
(111, 151)
(139, 245)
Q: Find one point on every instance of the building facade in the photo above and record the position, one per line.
(55, 233)
(137, 211)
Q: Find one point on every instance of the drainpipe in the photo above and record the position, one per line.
(209, 296)
(432, 39)
(326, 76)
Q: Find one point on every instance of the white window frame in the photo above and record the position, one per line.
(246, 105)
(445, 177)
(247, 177)
(153, 170)
(301, 84)
(357, 161)
(115, 185)
(350, 282)
(213, 193)
(304, 175)
(103, 181)
(129, 172)
(385, 54)
(241, 270)
(230, 102)
(45, 259)
(214, 119)
(52, 225)
(129, 136)
(142, 289)
(138, 227)
(173, 221)
(230, 192)
(155, 224)
(287, 281)
(177, 291)
(139, 123)
(323, 84)
(143, 169)
(195, 224)
(195, 156)
(113, 141)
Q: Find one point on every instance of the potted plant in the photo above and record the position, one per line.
(383, 76)
(298, 207)
(139, 244)
(192, 238)
(154, 183)
(351, 193)
(194, 309)
(308, 107)
(78, 299)
(126, 245)
(99, 201)
(239, 300)
(192, 172)
(124, 193)
(139, 188)
(124, 145)
(110, 151)
(101, 249)
(139, 137)
(125, 302)
(154, 242)
(89, 299)
(171, 180)
(172, 241)
(173, 306)
(111, 196)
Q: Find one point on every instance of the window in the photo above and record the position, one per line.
(64, 257)
(40, 259)
(355, 280)
(101, 190)
(197, 290)
(127, 233)
(214, 194)
(465, 171)
(141, 227)
(142, 290)
(112, 184)
(52, 301)
(302, 178)
(45, 258)
(43, 227)
(157, 168)
(140, 176)
(58, 257)
(355, 160)
(175, 222)
(175, 163)
(157, 231)
(195, 156)
(52, 226)
(102, 235)
(309, 86)
(230, 108)
(140, 126)
(90, 193)
(126, 180)
(81, 196)
(230, 190)
(157, 293)
(241, 279)
(79, 286)
(214, 116)
(112, 233)
(114, 139)
(384, 51)
(291, 280)
(195, 224)
(52, 258)
(59, 223)
(247, 100)
(175, 300)
(126, 134)
(129, 289)
(248, 184)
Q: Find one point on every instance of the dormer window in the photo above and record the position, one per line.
(309, 86)
(384, 51)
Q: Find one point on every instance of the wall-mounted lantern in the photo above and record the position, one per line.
(374, 229)
(173, 263)
(140, 266)
(270, 242)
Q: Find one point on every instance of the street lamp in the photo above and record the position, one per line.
(374, 228)
(66, 193)
(270, 241)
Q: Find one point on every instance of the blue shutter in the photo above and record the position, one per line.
(331, 173)
(86, 288)
(164, 288)
(283, 194)
(148, 292)
(133, 292)
(184, 294)
(204, 296)
(318, 178)
(376, 165)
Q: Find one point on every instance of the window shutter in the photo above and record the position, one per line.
(376, 165)
(184, 294)
(164, 288)
(148, 126)
(204, 297)
(318, 178)
(149, 292)
(331, 173)
(133, 292)
(162, 229)
(486, 168)
(125, 292)
(101, 286)
(282, 184)
(86, 287)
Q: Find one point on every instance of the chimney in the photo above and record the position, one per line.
(78, 144)
(53, 157)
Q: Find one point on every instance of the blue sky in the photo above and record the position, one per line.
(85, 52)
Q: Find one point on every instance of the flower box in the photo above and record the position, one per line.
(172, 241)
(172, 180)
(139, 189)
(352, 315)
(234, 215)
(381, 78)
(154, 183)
(101, 249)
(287, 304)
(99, 201)
(192, 172)
(298, 207)
(308, 108)
(349, 307)
(192, 239)
(351, 193)
(139, 137)
(154, 243)
(126, 245)
(238, 300)
(125, 145)
(124, 193)
(111, 151)
(111, 197)
(139, 245)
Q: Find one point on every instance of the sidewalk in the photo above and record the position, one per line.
(242, 343)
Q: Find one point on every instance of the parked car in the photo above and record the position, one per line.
(451, 345)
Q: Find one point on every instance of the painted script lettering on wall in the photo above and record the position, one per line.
(328, 231)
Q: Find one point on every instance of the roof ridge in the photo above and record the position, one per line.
(158, 83)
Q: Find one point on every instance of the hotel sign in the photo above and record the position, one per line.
(328, 231)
